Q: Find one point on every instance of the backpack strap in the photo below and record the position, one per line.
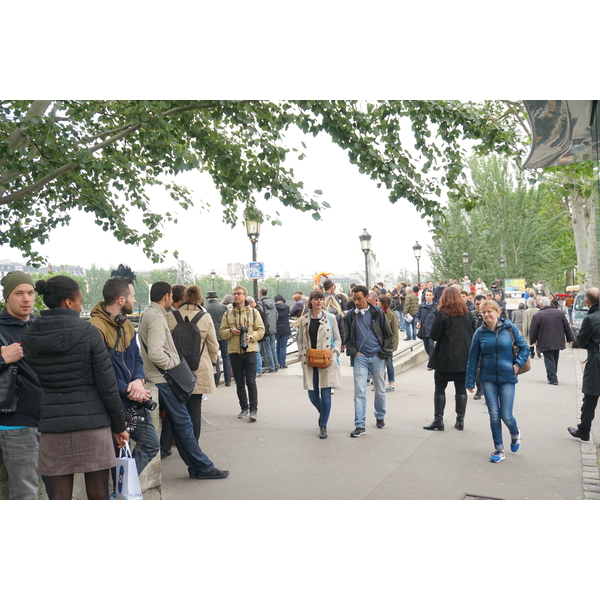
(197, 317)
(178, 316)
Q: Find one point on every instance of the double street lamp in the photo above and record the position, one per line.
(365, 244)
(253, 231)
(212, 277)
(277, 280)
(417, 252)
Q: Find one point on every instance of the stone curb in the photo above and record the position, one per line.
(590, 475)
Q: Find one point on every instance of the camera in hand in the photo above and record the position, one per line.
(243, 337)
(149, 404)
(136, 414)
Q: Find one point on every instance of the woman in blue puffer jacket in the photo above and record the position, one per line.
(493, 344)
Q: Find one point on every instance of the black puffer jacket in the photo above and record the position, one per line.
(72, 363)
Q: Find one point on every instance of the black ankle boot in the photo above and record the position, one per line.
(439, 403)
(323, 432)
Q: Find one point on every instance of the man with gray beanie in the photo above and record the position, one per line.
(19, 437)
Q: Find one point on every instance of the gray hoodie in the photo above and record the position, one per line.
(270, 311)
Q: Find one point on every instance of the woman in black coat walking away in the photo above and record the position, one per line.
(453, 330)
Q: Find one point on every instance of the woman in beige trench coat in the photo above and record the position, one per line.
(205, 378)
(316, 330)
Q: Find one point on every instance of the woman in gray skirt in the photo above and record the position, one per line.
(81, 401)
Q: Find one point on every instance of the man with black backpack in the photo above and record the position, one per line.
(194, 335)
(160, 355)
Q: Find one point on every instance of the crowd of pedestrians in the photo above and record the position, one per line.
(83, 389)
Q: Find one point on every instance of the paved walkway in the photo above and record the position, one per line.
(281, 457)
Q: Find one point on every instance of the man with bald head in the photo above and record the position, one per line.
(549, 327)
(589, 338)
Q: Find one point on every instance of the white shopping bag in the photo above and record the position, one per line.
(128, 482)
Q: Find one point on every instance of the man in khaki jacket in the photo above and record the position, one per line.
(411, 307)
(159, 352)
(243, 349)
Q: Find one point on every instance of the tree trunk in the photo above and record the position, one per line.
(584, 229)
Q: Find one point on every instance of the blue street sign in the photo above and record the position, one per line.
(257, 270)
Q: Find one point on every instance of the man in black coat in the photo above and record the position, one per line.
(549, 327)
(589, 338)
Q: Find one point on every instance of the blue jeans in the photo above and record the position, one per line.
(146, 441)
(363, 365)
(411, 326)
(499, 399)
(19, 449)
(282, 340)
(400, 319)
(322, 401)
(270, 342)
(389, 363)
(258, 359)
(183, 432)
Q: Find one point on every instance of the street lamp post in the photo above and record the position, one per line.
(365, 244)
(277, 279)
(417, 252)
(502, 266)
(212, 277)
(253, 231)
(465, 258)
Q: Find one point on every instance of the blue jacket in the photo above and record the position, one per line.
(426, 316)
(496, 353)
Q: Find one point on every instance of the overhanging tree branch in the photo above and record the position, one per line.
(34, 187)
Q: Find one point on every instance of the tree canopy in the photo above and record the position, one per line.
(103, 157)
(525, 225)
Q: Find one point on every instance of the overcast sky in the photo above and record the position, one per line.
(300, 246)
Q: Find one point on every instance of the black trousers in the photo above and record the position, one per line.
(441, 380)
(244, 373)
(224, 345)
(551, 364)
(588, 410)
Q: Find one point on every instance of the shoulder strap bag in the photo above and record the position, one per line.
(317, 359)
(527, 366)
(8, 385)
(180, 378)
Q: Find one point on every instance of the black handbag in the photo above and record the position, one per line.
(8, 385)
(180, 378)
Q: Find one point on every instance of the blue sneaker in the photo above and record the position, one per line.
(113, 496)
(515, 443)
(497, 456)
